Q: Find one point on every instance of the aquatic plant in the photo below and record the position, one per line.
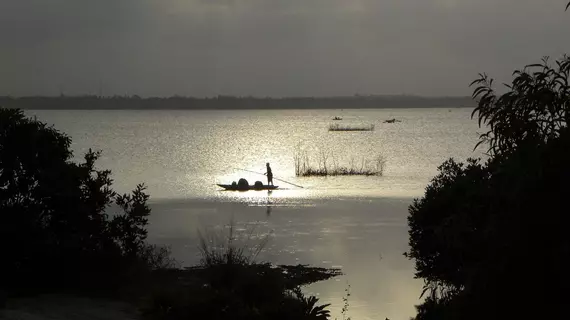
(218, 249)
(366, 167)
(346, 304)
(230, 284)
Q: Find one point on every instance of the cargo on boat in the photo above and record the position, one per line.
(243, 185)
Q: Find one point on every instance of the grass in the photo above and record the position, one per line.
(346, 304)
(230, 283)
(218, 249)
(339, 127)
(327, 165)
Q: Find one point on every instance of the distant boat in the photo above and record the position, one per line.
(337, 118)
(338, 127)
(235, 187)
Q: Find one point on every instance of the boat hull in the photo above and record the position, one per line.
(236, 188)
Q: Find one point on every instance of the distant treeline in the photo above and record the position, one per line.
(231, 102)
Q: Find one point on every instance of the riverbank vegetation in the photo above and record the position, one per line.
(490, 238)
(54, 223)
(64, 230)
(230, 283)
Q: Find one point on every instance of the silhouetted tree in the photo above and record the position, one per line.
(490, 239)
(54, 228)
(536, 107)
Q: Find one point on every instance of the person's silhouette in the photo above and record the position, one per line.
(269, 175)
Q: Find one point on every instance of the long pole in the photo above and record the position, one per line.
(296, 185)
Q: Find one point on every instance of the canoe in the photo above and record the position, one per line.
(235, 187)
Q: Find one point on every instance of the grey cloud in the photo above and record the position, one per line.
(274, 47)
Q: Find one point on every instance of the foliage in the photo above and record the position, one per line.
(216, 249)
(345, 306)
(257, 291)
(158, 257)
(54, 228)
(57, 233)
(503, 236)
(537, 107)
(230, 284)
(455, 203)
(490, 239)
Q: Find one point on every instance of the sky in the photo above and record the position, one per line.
(271, 48)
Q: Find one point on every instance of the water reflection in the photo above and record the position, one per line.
(351, 233)
(269, 203)
(185, 153)
(329, 221)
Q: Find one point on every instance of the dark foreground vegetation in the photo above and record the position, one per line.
(64, 230)
(490, 238)
(227, 285)
(231, 102)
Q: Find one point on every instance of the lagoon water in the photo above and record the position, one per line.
(357, 223)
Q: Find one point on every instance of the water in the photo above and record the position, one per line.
(357, 223)
(182, 154)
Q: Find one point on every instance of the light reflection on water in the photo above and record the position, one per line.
(183, 154)
(364, 238)
(358, 223)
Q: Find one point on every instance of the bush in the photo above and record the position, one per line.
(230, 284)
(55, 233)
(490, 240)
(536, 108)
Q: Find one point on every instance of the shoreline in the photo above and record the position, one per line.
(365, 237)
(93, 102)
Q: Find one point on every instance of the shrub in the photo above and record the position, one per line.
(55, 232)
(490, 238)
(230, 284)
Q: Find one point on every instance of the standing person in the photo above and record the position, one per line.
(269, 174)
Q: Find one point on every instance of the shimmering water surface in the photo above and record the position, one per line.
(357, 223)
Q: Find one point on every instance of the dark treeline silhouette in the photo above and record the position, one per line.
(56, 232)
(231, 102)
(491, 239)
(64, 230)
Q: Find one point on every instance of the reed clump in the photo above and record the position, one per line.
(230, 283)
(327, 165)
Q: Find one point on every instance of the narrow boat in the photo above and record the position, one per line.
(235, 187)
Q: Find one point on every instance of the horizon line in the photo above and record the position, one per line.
(135, 96)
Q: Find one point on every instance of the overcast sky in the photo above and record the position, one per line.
(271, 47)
